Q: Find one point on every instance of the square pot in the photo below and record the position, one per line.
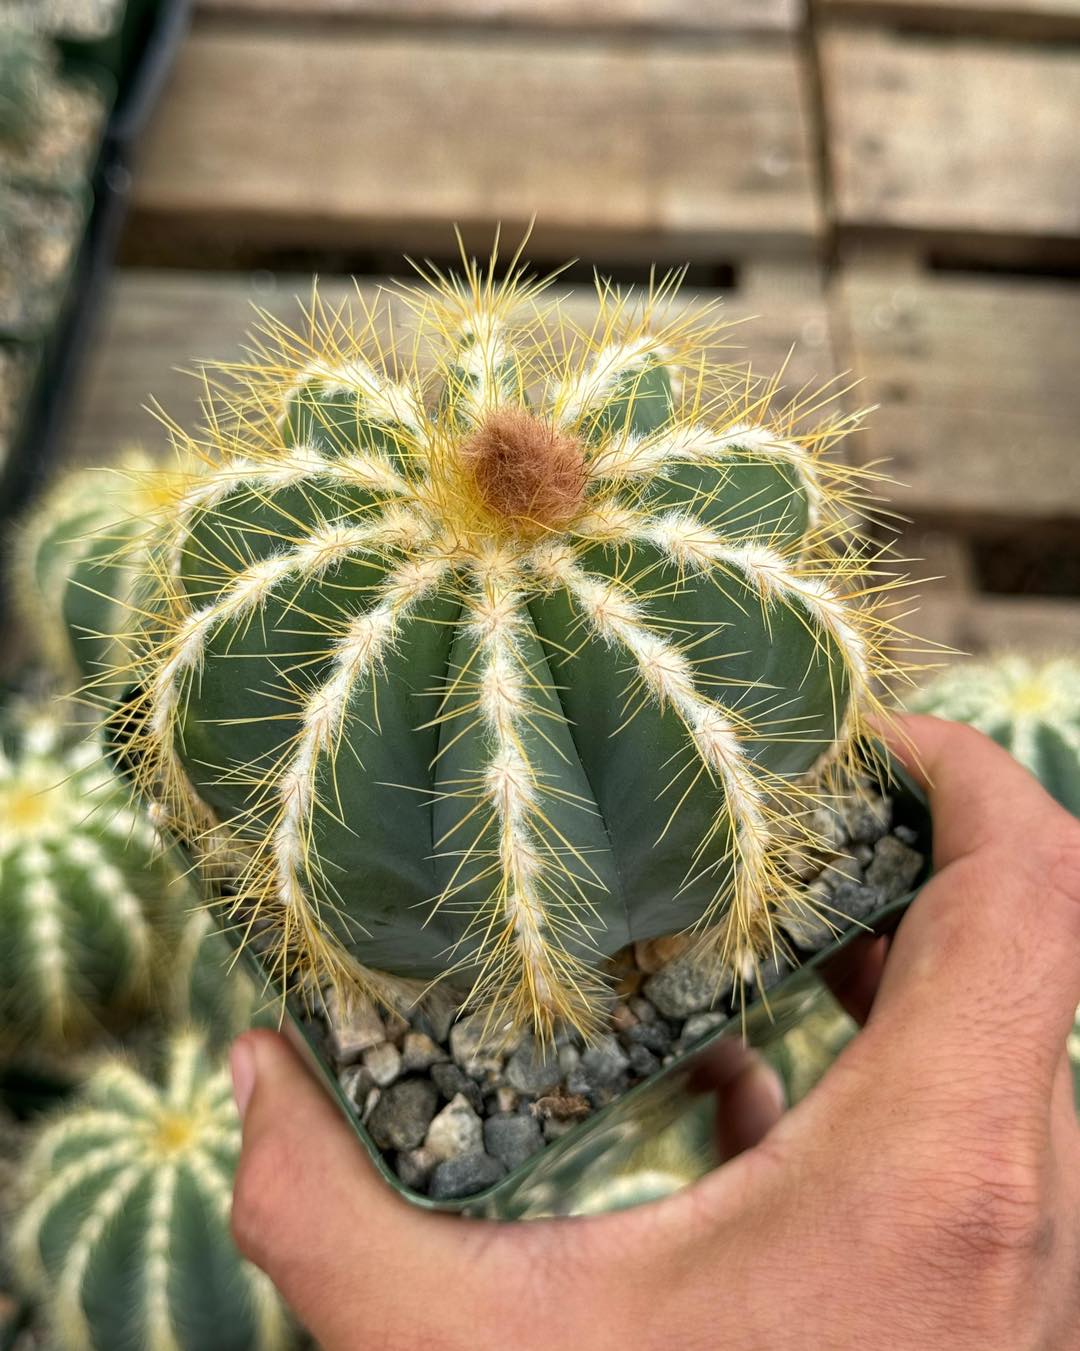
(657, 1136)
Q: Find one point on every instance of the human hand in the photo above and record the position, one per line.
(925, 1194)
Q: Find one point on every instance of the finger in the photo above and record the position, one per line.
(309, 1207)
(854, 974)
(992, 943)
(748, 1106)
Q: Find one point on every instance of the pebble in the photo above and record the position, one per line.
(807, 923)
(554, 1129)
(865, 817)
(642, 1010)
(464, 1176)
(699, 1025)
(512, 1138)
(396, 1025)
(656, 1036)
(642, 1061)
(415, 1167)
(355, 1081)
(456, 1130)
(689, 985)
(894, 869)
(383, 1063)
(451, 1080)
(403, 1113)
(532, 1069)
(354, 1028)
(603, 1068)
(420, 1052)
(473, 1051)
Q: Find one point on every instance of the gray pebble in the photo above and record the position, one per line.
(690, 984)
(451, 1080)
(906, 835)
(855, 900)
(807, 922)
(555, 1129)
(474, 1047)
(512, 1138)
(603, 1068)
(643, 1010)
(533, 1069)
(419, 1052)
(435, 1015)
(354, 1028)
(826, 824)
(403, 1113)
(569, 1059)
(699, 1025)
(383, 1063)
(643, 1062)
(454, 1131)
(415, 1166)
(356, 1082)
(656, 1036)
(894, 869)
(770, 973)
(865, 816)
(464, 1176)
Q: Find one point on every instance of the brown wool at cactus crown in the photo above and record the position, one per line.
(474, 663)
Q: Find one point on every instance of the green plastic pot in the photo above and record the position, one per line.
(658, 1137)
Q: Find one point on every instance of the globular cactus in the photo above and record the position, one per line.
(125, 1236)
(1030, 707)
(484, 673)
(27, 64)
(85, 889)
(80, 564)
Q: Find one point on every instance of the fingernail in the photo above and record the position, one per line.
(242, 1065)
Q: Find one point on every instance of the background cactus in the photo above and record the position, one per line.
(125, 1235)
(1030, 707)
(487, 674)
(27, 65)
(80, 561)
(84, 886)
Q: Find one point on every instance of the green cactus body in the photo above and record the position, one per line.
(125, 1234)
(27, 65)
(1031, 708)
(486, 674)
(84, 889)
(84, 549)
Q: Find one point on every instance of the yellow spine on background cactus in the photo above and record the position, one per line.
(79, 571)
(124, 1236)
(484, 673)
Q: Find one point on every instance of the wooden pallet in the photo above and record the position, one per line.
(963, 142)
(622, 147)
(1040, 19)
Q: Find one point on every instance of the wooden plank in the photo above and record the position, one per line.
(156, 323)
(981, 623)
(965, 136)
(1040, 19)
(621, 148)
(731, 16)
(976, 381)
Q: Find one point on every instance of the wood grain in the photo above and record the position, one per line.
(157, 323)
(976, 378)
(631, 147)
(1003, 18)
(731, 16)
(962, 136)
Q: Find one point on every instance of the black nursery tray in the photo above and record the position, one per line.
(657, 1136)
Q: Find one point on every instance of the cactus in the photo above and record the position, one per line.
(82, 550)
(484, 686)
(1032, 708)
(27, 65)
(125, 1232)
(84, 890)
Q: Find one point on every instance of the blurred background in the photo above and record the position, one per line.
(891, 186)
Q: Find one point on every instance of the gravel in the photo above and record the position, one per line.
(456, 1130)
(403, 1113)
(454, 1110)
(512, 1138)
(465, 1176)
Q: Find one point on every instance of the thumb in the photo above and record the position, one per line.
(309, 1208)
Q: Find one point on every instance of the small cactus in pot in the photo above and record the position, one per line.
(86, 890)
(124, 1235)
(482, 675)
